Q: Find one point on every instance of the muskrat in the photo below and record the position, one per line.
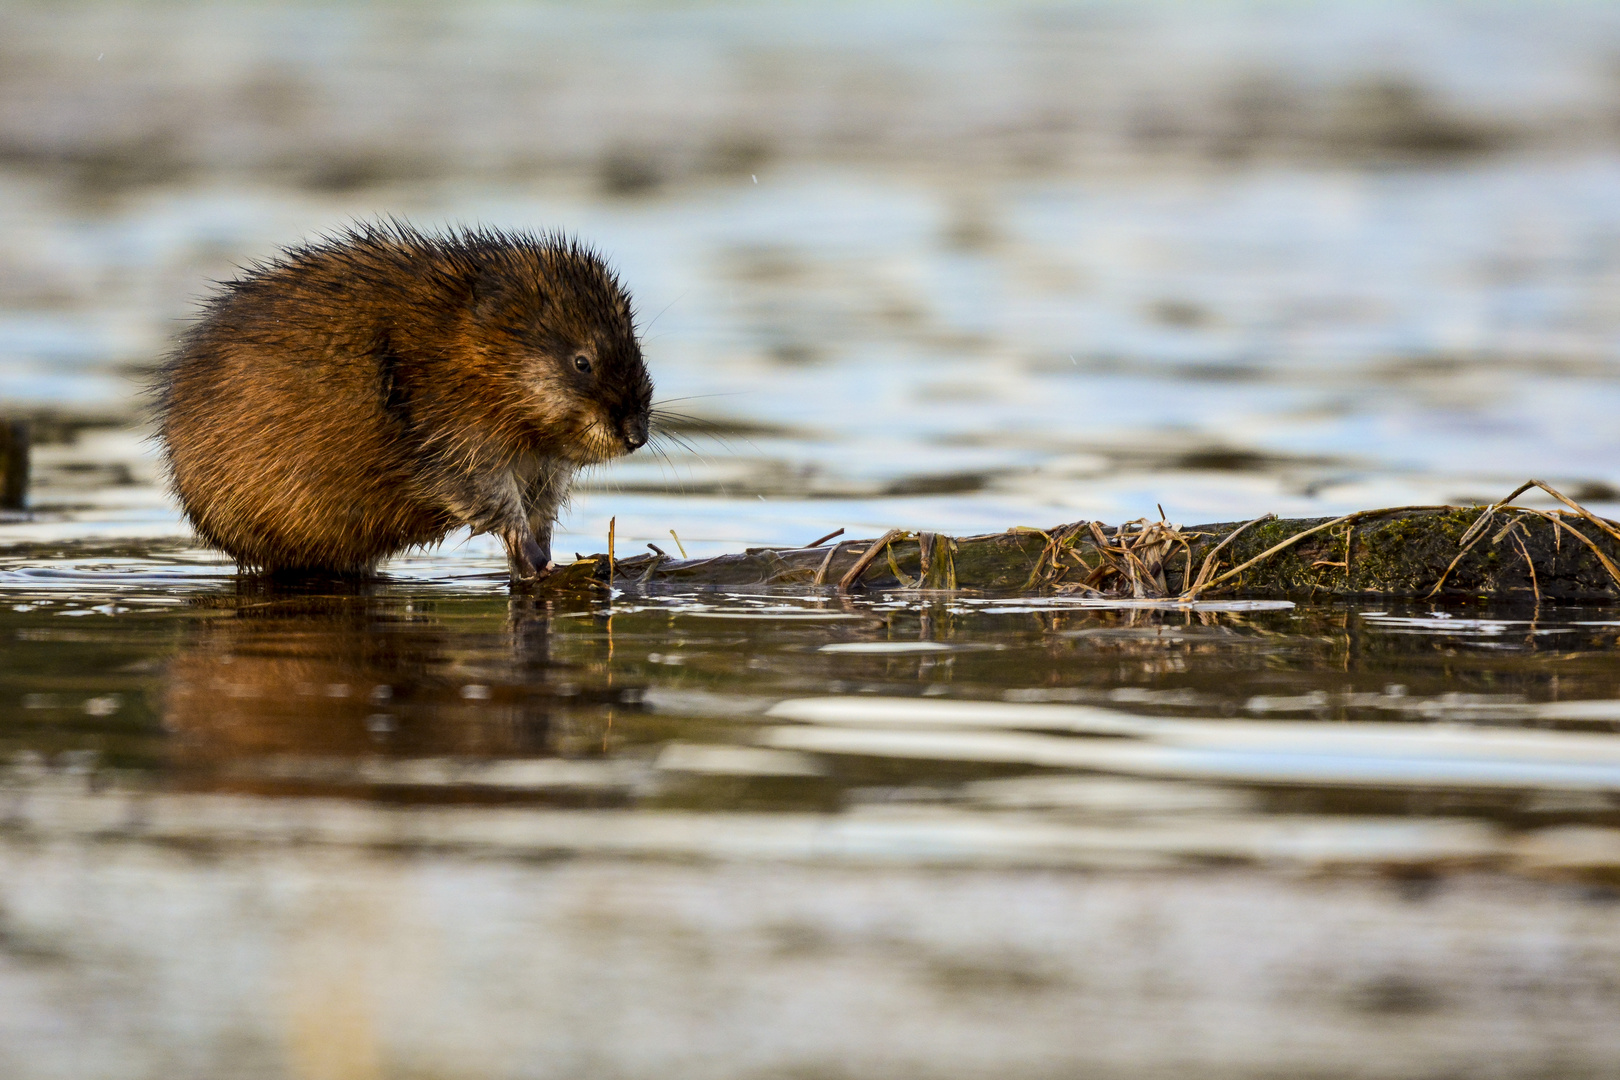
(370, 392)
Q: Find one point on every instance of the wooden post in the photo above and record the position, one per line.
(13, 464)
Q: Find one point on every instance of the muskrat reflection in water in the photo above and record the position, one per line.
(273, 680)
(373, 391)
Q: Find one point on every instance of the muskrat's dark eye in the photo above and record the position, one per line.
(582, 363)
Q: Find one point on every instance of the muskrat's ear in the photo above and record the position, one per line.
(497, 296)
(487, 294)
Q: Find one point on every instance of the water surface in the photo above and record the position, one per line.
(163, 673)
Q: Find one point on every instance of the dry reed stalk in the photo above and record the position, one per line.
(821, 571)
(936, 561)
(900, 575)
(1476, 531)
(1191, 591)
(1035, 574)
(1529, 565)
(1559, 522)
(1605, 525)
(1136, 558)
(1058, 541)
(925, 557)
(1469, 546)
(1275, 548)
(878, 547)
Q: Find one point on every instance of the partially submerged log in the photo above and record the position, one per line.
(1499, 551)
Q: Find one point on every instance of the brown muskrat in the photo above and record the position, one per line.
(374, 390)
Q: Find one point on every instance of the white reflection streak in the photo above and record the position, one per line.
(1149, 759)
(1361, 754)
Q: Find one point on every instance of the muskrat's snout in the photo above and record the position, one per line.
(635, 410)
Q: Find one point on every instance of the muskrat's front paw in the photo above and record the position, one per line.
(530, 575)
(528, 559)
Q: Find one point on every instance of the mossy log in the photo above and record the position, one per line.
(1477, 551)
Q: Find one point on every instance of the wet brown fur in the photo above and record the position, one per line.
(373, 391)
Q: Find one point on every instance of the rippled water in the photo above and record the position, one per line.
(735, 700)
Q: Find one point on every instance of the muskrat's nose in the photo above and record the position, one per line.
(635, 434)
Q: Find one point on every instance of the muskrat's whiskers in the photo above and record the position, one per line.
(662, 312)
(697, 397)
(727, 440)
(667, 466)
(693, 451)
(673, 469)
(667, 437)
(664, 438)
(716, 436)
(659, 413)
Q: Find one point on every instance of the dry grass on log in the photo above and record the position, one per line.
(1413, 551)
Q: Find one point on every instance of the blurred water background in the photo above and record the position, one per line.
(954, 267)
